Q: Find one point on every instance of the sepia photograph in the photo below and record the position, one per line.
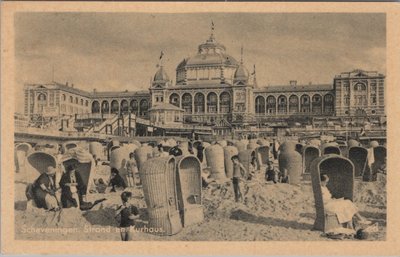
(198, 126)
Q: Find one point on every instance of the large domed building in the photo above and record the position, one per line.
(214, 88)
(211, 86)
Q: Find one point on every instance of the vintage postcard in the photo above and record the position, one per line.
(199, 128)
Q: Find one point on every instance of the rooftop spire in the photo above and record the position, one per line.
(241, 55)
(160, 59)
(212, 31)
(254, 76)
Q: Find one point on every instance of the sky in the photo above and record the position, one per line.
(120, 51)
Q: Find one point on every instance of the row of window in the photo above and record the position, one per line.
(294, 99)
(76, 100)
(133, 106)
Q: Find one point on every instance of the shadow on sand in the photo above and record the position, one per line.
(20, 205)
(247, 217)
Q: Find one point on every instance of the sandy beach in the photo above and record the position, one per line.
(269, 212)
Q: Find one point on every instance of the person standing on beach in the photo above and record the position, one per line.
(200, 150)
(129, 213)
(131, 168)
(238, 174)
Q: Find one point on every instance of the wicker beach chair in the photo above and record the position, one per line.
(118, 159)
(341, 185)
(21, 152)
(158, 178)
(310, 153)
(263, 155)
(142, 154)
(68, 145)
(330, 148)
(245, 158)
(96, 148)
(215, 161)
(229, 151)
(189, 190)
(358, 155)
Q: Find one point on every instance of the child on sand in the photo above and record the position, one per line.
(116, 181)
(238, 173)
(272, 173)
(129, 213)
(252, 168)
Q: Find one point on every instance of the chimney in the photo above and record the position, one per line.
(66, 83)
(293, 82)
(72, 85)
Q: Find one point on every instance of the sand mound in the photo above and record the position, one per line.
(66, 218)
(285, 201)
(373, 193)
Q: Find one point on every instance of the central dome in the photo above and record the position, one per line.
(209, 53)
(210, 65)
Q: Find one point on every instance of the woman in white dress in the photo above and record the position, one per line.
(344, 209)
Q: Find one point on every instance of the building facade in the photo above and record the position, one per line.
(212, 87)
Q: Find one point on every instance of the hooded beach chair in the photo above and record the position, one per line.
(158, 178)
(97, 149)
(229, 151)
(215, 161)
(189, 190)
(359, 156)
(21, 152)
(330, 148)
(84, 164)
(68, 145)
(245, 158)
(380, 153)
(340, 171)
(263, 155)
(310, 153)
(118, 159)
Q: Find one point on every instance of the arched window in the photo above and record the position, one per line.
(174, 99)
(64, 97)
(114, 107)
(282, 104)
(317, 104)
(305, 104)
(328, 103)
(360, 95)
(225, 102)
(360, 87)
(212, 100)
(144, 107)
(124, 106)
(199, 103)
(82, 102)
(42, 97)
(86, 103)
(187, 103)
(95, 107)
(260, 104)
(293, 104)
(76, 100)
(134, 106)
(71, 99)
(42, 101)
(105, 107)
(271, 104)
